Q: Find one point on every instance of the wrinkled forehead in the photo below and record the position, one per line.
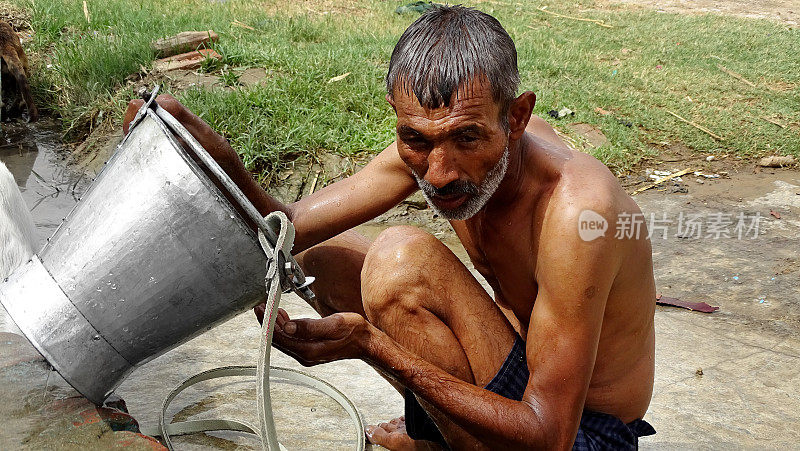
(472, 99)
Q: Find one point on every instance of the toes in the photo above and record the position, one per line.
(376, 434)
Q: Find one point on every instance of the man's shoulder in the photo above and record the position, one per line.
(585, 184)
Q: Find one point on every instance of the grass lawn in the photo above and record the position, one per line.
(647, 64)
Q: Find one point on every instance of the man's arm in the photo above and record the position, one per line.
(383, 183)
(379, 186)
(574, 281)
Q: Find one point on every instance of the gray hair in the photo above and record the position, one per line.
(445, 49)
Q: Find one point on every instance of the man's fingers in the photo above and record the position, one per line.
(280, 319)
(282, 314)
(130, 113)
(307, 353)
(311, 329)
(259, 311)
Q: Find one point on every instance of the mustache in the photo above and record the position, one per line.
(456, 187)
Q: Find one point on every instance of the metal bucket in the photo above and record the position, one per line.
(153, 255)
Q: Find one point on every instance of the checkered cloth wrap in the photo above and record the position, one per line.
(597, 431)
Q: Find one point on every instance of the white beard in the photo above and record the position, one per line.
(16, 235)
(476, 202)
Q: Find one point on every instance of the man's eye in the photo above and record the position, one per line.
(467, 139)
(415, 141)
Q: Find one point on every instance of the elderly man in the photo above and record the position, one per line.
(563, 356)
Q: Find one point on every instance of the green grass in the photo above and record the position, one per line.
(81, 71)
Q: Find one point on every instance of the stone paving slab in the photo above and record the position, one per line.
(40, 410)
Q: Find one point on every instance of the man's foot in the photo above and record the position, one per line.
(393, 436)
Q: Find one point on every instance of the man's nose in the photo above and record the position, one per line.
(441, 168)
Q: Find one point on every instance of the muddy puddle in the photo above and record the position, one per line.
(39, 162)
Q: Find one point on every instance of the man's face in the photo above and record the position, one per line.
(459, 154)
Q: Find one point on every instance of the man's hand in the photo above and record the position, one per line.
(214, 143)
(314, 341)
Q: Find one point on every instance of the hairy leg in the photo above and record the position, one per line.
(418, 292)
(16, 69)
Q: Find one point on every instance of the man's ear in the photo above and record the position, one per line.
(391, 101)
(519, 113)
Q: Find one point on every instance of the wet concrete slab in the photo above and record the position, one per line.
(730, 379)
(39, 410)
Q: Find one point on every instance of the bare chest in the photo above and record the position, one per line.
(506, 257)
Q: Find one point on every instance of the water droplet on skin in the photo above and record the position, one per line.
(96, 337)
(113, 286)
(124, 329)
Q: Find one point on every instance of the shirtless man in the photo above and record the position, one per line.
(563, 355)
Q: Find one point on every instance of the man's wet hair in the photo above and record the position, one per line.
(447, 48)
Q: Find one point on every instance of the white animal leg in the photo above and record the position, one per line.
(16, 235)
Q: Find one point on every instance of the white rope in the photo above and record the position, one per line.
(280, 269)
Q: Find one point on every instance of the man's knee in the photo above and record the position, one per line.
(394, 274)
(398, 251)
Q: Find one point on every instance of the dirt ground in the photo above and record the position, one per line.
(787, 11)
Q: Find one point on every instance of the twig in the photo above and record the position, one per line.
(736, 75)
(773, 122)
(594, 21)
(242, 25)
(44, 182)
(314, 183)
(697, 126)
(662, 180)
(86, 11)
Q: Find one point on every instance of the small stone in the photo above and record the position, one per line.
(710, 158)
(776, 161)
(699, 372)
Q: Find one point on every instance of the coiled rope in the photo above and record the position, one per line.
(280, 269)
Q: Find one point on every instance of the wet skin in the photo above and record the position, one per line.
(408, 306)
